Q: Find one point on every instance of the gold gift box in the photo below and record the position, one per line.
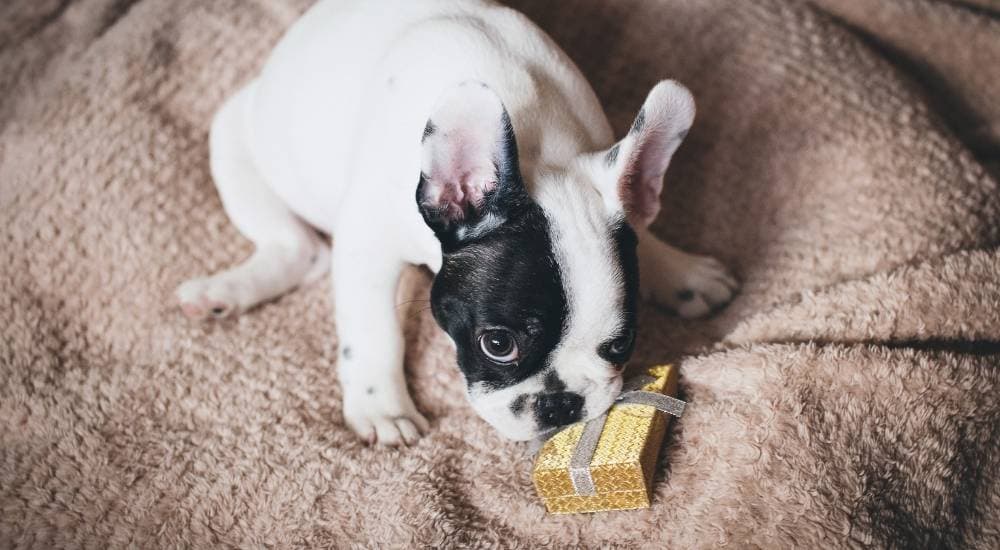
(623, 462)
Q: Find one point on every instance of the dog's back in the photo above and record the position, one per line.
(344, 98)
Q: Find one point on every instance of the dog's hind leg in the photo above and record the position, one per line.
(288, 251)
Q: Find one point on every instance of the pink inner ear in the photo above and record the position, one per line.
(646, 203)
(642, 180)
(459, 191)
(460, 172)
(463, 142)
(641, 200)
(659, 129)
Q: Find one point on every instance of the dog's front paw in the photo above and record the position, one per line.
(694, 286)
(380, 415)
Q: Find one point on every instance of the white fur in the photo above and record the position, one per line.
(494, 405)
(328, 136)
(595, 295)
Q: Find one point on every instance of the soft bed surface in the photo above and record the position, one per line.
(843, 162)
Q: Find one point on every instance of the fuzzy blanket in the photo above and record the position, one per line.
(843, 160)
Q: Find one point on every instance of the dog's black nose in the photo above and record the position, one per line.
(558, 409)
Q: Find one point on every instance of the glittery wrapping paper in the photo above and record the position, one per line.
(623, 463)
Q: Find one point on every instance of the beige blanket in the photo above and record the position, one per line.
(843, 160)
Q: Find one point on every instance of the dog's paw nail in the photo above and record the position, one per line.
(206, 298)
(410, 432)
(220, 311)
(388, 424)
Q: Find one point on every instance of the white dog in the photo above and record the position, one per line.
(456, 135)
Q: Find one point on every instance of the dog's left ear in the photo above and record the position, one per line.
(631, 171)
(470, 181)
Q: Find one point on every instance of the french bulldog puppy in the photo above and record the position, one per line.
(455, 135)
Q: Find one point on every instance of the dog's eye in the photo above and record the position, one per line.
(620, 347)
(499, 346)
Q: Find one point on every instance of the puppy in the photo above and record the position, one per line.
(456, 135)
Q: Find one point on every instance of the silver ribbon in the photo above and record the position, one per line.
(583, 453)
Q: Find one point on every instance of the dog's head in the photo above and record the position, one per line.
(538, 290)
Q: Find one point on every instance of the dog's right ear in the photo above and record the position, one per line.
(470, 181)
(632, 175)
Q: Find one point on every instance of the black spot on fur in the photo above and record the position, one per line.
(685, 295)
(428, 131)
(370, 390)
(640, 122)
(517, 406)
(681, 135)
(553, 383)
(346, 352)
(612, 155)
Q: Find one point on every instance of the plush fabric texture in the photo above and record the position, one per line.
(843, 161)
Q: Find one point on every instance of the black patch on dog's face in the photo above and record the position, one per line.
(626, 247)
(507, 279)
(517, 406)
(553, 383)
(625, 243)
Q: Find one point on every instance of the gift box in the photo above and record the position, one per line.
(608, 463)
